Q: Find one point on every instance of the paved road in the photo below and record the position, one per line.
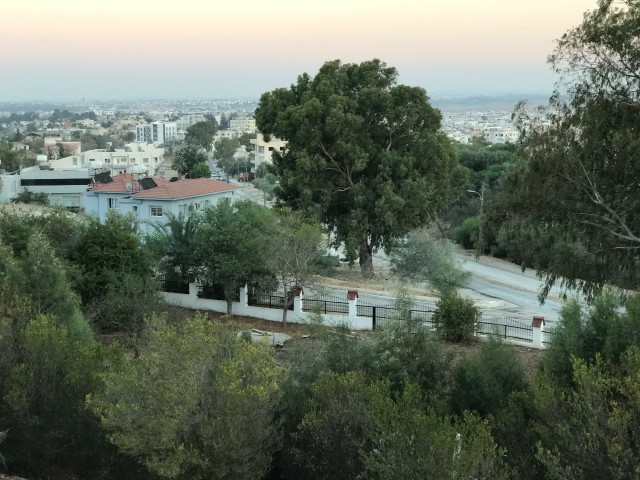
(499, 289)
(517, 291)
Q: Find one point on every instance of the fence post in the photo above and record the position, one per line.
(373, 318)
(538, 332)
(193, 291)
(244, 295)
(298, 294)
(352, 296)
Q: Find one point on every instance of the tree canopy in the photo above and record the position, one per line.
(202, 133)
(364, 155)
(190, 162)
(577, 192)
(223, 153)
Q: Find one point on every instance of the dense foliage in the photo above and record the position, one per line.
(191, 399)
(575, 192)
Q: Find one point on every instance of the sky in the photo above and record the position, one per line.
(194, 49)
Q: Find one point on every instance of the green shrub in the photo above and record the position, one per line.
(467, 233)
(484, 381)
(456, 317)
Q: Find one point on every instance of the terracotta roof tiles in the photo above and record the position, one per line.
(185, 188)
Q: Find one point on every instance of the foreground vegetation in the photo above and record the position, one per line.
(188, 398)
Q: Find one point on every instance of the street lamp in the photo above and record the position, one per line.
(480, 194)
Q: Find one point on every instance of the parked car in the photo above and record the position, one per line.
(246, 176)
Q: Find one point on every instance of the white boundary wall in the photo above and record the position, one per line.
(243, 308)
(350, 320)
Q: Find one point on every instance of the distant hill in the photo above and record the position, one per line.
(492, 102)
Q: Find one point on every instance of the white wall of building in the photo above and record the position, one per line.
(264, 150)
(66, 187)
(9, 187)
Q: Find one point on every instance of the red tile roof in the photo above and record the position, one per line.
(185, 188)
(119, 184)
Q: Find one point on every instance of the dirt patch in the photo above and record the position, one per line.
(238, 322)
(383, 281)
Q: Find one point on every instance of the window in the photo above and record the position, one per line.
(107, 160)
(145, 160)
(134, 209)
(271, 149)
(183, 209)
(112, 202)
(156, 210)
(75, 161)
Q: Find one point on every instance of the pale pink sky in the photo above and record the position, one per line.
(69, 49)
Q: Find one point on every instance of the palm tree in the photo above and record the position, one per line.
(174, 243)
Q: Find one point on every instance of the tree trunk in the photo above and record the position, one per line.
(285, 308)
(366, 259)
(229, 307)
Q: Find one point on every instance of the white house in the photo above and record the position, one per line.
(127, 194)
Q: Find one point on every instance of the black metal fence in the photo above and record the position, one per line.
(506, 328)
(175, 286)
(269, 300)
(382, 314)
(325, 304)
(548, 335)
(216, 292)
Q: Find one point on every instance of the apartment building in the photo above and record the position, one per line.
(157, 133)
(242, 125)
(264, 150)
(118, 160)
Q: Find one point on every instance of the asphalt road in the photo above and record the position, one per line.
(497, 287)
(515, 292)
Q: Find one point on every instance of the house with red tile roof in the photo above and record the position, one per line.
(150, 199)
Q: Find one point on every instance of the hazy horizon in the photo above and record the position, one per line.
(69, 50)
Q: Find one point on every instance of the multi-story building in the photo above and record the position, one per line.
(63, 186)
(186, 121)
(118, 160)
(242, 125)
(264, 150)
(157, 133)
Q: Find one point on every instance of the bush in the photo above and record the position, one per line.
(456, 317)
(422, 257)
(484, 381)
(467, 233)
